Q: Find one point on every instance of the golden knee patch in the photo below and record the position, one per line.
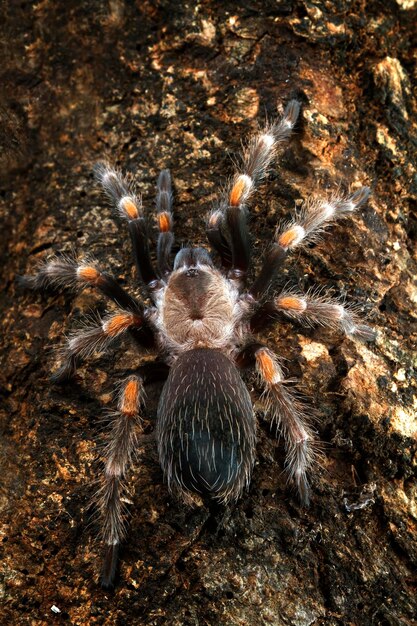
(291, 303)
(240, 189)
(118, 323)
(129, 207)
(130, 397)
(88, 273)
(268, 367)
(291, 237)
(164, 222)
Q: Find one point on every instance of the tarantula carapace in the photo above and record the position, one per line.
(202, 322)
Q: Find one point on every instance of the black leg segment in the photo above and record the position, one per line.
(165, 222)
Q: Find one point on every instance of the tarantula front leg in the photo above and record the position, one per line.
(129, 207)
(311, 311)
(227, 227)
(121, 446)
(287, 412)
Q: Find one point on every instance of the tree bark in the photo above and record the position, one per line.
(149, 85)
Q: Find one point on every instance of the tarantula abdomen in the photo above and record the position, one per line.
(206, 431)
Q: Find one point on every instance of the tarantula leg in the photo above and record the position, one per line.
(315, 215)
(129, 207)
(270, 268)
(165, 222)
(122, 444)
(217, 239)
(237, 226)
(256, 160)
(96, 337)
(65, 271)
(287, 413)
(311, 311)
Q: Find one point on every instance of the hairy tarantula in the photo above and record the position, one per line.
(202, 323)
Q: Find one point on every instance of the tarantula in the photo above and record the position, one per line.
(202, 323)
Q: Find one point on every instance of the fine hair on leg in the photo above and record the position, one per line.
(165, 222)
(312, 309)
(95, 335)
(231, 215)
(129, 206)
(66, 272)
(122, 444)
(306, 226)
(315, 214)
(287, 413)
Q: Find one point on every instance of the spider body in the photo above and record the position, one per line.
(205, 429)
(203, 323)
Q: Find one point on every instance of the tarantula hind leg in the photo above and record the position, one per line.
(122, 445)
(287, 413)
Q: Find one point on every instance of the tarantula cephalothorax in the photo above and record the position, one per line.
(202, 323)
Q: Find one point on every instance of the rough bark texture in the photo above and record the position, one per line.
(167, 84)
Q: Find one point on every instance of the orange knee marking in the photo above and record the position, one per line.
(130, 208)
(118, 323)
(291, 237)
(291, 303)
(236, 192)
(88, 273)
(267, 367)
(241, 186)
(130, 398)
(164, 222)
